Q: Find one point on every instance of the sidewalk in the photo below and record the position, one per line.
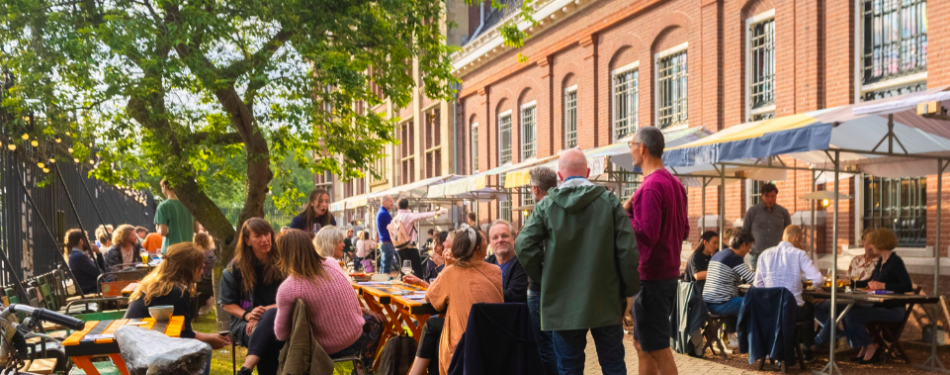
(685, 363)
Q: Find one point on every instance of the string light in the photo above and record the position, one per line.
(52, 160)
(825, 203)
(25, 136)
(59, 140)
(93, 162)
(70, 150)
(45, 170)
(12, 147)
(76, 160)
(41, 165)
(34, 143)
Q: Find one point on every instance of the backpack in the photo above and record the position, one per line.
(400, 236)
(397, 356)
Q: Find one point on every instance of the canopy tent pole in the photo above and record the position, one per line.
(933, 363)
(832, 367)
(702, 218)
(722, 202)
(814, 226)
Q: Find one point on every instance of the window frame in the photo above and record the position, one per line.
(680, 48)
(474, 145)
(749, 61)
(634, 66)
(860, 89)
(900, 206)
(510, 140)
(523, 131)
(568, 91)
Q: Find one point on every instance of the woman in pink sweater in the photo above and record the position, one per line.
(339, 324)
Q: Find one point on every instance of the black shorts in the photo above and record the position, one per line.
(651, 313)
(429, 340)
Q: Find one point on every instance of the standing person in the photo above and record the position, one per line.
(542, 179)
(781, 267)
(766, 222)
(465, 282)
(407, 220)
(85, 261)
(315, 214)
(365, 249)
(153, 243)
(698, 262)
(473, 220)
(172, 219)
(657, 213)
(124, 250)
(513, 279)
(579, 244)
(248, 290)
(348, 249)
(383, 218)
(726, 272)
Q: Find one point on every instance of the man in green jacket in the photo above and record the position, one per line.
(587, 268)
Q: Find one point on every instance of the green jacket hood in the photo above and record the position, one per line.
(575, 198)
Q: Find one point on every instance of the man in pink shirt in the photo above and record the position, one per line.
(657, 213)
(408, 221)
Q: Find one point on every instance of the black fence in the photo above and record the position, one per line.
(40, 200)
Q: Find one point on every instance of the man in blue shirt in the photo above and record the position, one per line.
(513, 278)
(383, 218)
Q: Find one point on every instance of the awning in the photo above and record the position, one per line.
(862, 133)
(520, 174)
(349, 203)
(418, 189)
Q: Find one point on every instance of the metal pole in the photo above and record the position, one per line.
(70, 197)
(722, 202)
(814, 226)
(91, 199)
(832, 367)
(933, 363)
(702, 219)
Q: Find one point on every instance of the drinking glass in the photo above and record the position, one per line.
(406, 267)
(144, 255)
(223, 330)
(855, 274)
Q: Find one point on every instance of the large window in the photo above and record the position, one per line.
(755, 192)
(570, 117)
(475, 147)
(433, 144)
(407, 149)
(761, 68)
(630, 184)
(504, 138)
(898, 204)
(528, 133)
(671, 83)
(894, 53)
(626, 100)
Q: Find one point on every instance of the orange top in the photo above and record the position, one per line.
(458, 288)
(153, 242)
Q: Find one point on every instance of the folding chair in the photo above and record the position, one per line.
(712, 333)
(887, 335)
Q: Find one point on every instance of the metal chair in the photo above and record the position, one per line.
(713, 334)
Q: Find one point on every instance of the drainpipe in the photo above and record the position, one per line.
(481, 21)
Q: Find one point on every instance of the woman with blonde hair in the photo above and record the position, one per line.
(338, 322)
(172, 283)
(329, 243)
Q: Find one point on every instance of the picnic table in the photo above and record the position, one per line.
(127, 291)
(98, 338)
(398, 306)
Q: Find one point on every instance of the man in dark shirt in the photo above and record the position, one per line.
(383, 218)
(698, 262)
(542, 179)
(766, 221)
(513, 278)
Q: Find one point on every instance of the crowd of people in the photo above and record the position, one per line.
(583, 260)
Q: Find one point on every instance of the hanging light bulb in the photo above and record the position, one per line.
(25, 136)
(52, 160)
(34, 143)
(93, 162)
(524, 212)
(70, 150)
(76, 160)
(59, 140)
(41, 165)
(12, 147)
(67, 133)
(45, 170)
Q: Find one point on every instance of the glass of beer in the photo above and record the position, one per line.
(144, 255)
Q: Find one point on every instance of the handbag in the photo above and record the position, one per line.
(367, 265)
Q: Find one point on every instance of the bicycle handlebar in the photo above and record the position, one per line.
(49, 316)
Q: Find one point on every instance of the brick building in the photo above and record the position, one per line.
(598, 69)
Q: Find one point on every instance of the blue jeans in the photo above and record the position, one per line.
(569, 346)
(856, 322)
(545, 345)
(386, 263)
(730, 307)
(823, 316)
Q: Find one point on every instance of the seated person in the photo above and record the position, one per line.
(348, 249)
(467, 280)
(427, 353)
(445, 252)
(863, 265)
(205, 288)
(781, 267)
(125, 249)
(513, 278)
(889, 274)
(698, 262)
(435, 262)
(248, 290)
(339, 324)
(81, 255)
(330, 245)
(726, 272)
(172, 283)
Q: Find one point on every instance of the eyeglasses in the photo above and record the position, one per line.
(630, 143)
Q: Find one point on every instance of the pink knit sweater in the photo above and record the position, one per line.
(335, 315)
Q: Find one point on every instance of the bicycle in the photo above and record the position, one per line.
(14, 334)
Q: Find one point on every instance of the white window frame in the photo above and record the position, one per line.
(510, 139)
(764, 16)
(568, 91)
(859, 87)
(656, 78)
(523, 131)
(613, 101)
(474, 145)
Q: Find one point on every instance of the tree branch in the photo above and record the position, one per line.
(218, 139)
(259, 58)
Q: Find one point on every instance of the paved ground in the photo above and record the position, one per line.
(685, 364)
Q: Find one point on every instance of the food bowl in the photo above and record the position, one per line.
(161, 313)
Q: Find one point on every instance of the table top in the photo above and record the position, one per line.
(398, 293)
(98, 337)
(863, 296)
(127, 291)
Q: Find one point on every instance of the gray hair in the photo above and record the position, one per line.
(544, 178)
(326, 239)
(652, 138)
(507, 223)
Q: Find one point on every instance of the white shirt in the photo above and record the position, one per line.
(409, 219)
(783, 266)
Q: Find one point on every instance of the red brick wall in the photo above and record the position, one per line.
(815, 68)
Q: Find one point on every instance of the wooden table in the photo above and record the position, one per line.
(396, 309)
(127, 291)
(98, 338)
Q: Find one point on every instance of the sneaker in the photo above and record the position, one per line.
(733, 341)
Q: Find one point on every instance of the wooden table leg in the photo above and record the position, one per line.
(119, 363)
(378, 308)
(85, 364)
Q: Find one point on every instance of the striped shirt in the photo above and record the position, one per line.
(726, 272)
